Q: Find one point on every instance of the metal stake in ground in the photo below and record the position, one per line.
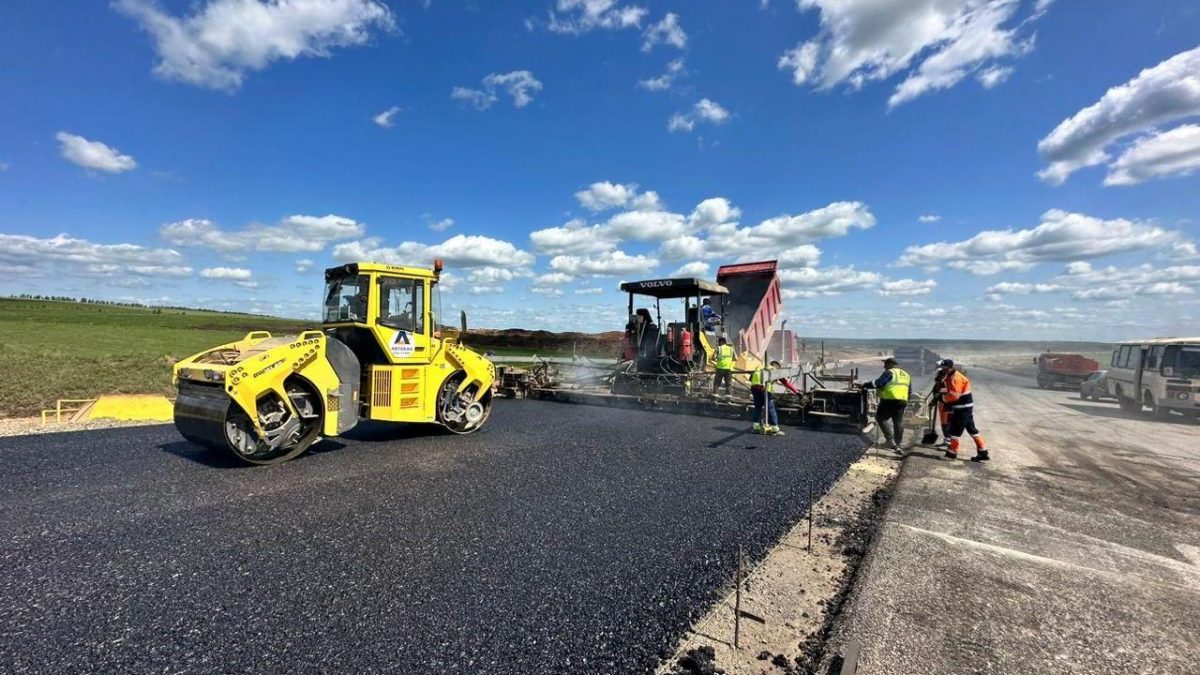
(737, 600)
(810, 509)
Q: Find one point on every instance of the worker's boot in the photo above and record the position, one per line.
(981, 456)
(775, 431)
(897, 449)
(758, 428)
(950, 454)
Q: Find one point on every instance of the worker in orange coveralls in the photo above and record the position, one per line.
(956, 396)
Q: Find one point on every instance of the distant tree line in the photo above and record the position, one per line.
(158, 309)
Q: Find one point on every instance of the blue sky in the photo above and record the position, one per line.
(961, 168)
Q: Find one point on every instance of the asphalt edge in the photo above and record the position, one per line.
(831, 645)
(815, 650)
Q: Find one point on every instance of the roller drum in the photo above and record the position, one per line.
(200, 412)
(205, 415)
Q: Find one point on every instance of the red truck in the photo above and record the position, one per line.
(1063, 370)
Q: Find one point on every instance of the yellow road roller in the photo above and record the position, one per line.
(379, 355)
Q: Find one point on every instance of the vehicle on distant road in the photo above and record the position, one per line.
(1162, 374)
(1063, 370)
(917, 360)
(1095, 386)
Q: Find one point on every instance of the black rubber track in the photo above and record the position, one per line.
(559, 539)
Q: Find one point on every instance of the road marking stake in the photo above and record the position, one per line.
(737, 600)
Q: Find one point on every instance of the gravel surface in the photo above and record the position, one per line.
(559, 539)
(21, 426)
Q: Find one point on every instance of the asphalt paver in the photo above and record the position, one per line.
(559, 539)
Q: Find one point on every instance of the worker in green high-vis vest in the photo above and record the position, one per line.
(893, 386)
(724, 367)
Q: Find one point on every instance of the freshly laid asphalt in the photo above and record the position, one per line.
(559, 539)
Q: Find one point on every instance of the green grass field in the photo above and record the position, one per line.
(52, 349)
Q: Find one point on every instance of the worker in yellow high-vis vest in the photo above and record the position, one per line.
(724, 367)
(893, 386)
(766, 417)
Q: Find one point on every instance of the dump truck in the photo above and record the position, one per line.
(378, 355)
(1063, 370)
(917, 360)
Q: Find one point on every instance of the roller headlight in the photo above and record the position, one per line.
(1182, 396)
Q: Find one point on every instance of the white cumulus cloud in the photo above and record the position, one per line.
(680, 122)
(1159, 95)
(468, 251)
(994, 76)
(1061, 236)
(698, 269)
(788, 236)
(223, 40)
(1172, 153)
(667, 31)
(606, 264)
(227, 273)
(553, 279)
(1021, 288)
(581, 16)
(67, 256)
(520, 85)
(907, 287)
(808, 282)
(935, 44)
(293, 234)
(704, 110)
(386, 118)
(93, 154)
(664, 82)
(238, 275)
(575, 237)
(603, 195)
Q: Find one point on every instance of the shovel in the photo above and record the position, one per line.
(931, 435)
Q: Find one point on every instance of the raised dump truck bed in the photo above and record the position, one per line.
(752, 304)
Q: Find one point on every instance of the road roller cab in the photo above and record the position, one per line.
(380, 355)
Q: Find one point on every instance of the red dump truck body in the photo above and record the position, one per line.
(752, 305)
(1064, 370)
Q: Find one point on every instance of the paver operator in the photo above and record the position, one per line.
(709, 316)
(893, 386)
(724, 367)
(956, 397)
